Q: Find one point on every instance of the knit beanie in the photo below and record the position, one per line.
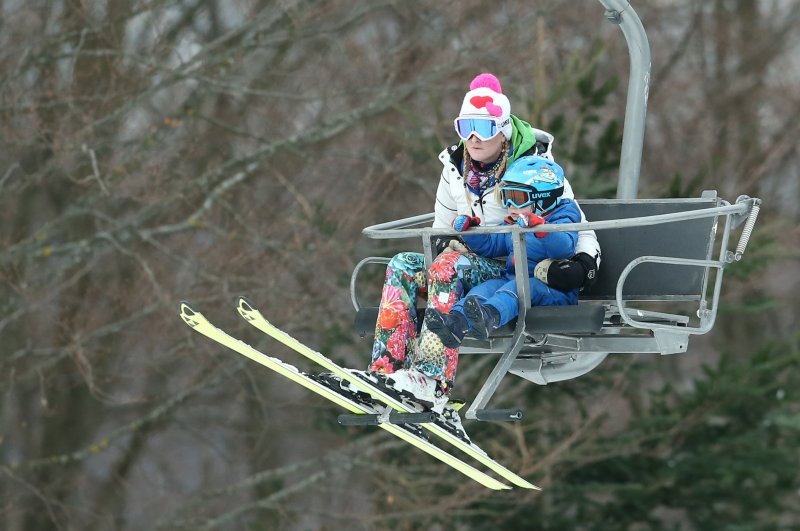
(485, 99)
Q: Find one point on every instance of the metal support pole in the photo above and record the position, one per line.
(621, 12)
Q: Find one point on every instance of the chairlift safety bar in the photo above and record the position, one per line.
(743, 208)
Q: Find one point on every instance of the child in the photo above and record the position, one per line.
(531, 190)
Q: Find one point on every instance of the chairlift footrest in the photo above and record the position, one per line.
(504, 415)
(395, 417)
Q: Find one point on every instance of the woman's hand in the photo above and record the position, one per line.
(463, 222)
(457, 246)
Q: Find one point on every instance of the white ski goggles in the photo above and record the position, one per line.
(483, 128)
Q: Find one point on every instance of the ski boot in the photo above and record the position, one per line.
(483, 318)
(420, 389)
(449, 327)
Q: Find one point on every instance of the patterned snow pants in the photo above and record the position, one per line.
(450, 278)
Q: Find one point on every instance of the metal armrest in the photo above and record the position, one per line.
(354, 276)
(707, 316)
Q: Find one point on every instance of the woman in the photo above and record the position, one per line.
(531, 190)
(491, 138)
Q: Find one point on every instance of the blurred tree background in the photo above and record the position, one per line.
(159, 150)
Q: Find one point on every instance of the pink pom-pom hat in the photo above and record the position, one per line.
(486, 80)
(485, 99)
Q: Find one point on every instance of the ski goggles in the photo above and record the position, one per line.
(522, 197)
(483, 128)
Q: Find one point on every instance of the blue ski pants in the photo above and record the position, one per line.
(501, 293)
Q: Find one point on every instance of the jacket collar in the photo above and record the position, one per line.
(456, 153)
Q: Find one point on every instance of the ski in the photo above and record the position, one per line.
(353, 401)
(447, 426)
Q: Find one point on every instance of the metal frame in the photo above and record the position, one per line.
(622, 13)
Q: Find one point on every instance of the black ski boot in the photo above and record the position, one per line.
(484, 319)
(450, 327)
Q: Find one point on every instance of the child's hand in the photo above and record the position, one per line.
(462, 222)
(527, 220)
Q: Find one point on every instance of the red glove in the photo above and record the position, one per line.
(527, 220)
(462, 222)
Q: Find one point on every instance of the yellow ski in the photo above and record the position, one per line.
(411, 434)
(439, 428)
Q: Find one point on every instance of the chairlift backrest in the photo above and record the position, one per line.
(681, 239)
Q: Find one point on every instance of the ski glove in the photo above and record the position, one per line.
(566, 275)
(442, 243)
(463, 222)
(527, 220)
(458, 246)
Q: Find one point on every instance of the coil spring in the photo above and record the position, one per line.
(747, 230)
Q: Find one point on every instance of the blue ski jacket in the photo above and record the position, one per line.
(554, 245)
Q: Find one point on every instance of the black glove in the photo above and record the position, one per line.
(565, 275)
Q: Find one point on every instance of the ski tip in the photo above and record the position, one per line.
(189, 314)
(526, 484)
(243, 303)
(187, 308)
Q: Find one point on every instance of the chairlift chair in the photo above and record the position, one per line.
(655, 252)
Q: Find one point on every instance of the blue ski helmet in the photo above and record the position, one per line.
(535, 181)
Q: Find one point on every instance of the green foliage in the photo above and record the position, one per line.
(334, 335)
(683, 186)
(323, 220)
(723, 456)
(588, 144)
(752, 304)
(762, 251)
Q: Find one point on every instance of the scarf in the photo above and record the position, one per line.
(479, 176)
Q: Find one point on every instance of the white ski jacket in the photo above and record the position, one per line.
(453, 198)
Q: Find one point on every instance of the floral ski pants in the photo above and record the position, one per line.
(450, 278)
